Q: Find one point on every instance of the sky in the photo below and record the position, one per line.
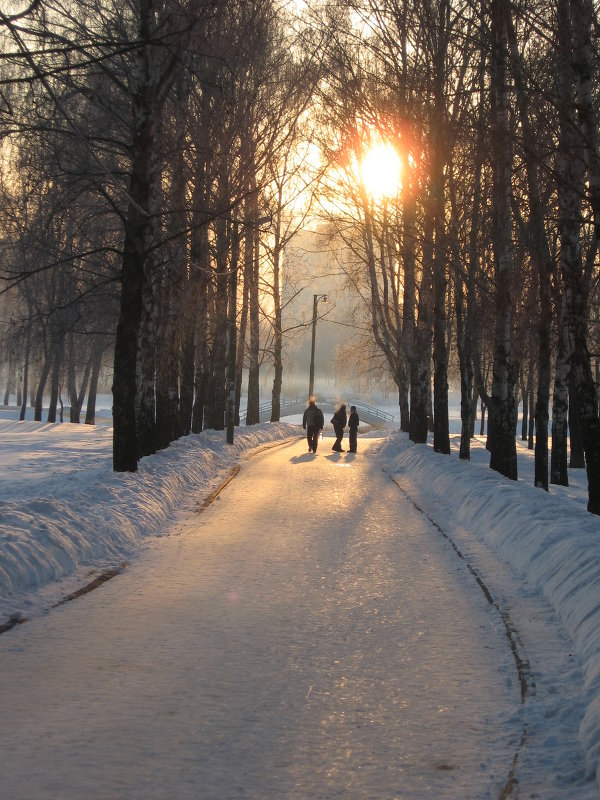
(528, 560)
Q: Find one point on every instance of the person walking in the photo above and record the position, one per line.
(353, 423)
(313, 422)
(339, 420)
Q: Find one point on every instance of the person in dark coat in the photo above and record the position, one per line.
(353, 423)
(313, 422)
(339, 423)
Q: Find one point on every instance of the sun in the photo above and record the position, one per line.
(380, 171)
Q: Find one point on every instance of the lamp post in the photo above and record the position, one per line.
(232, 323)
(311, 382)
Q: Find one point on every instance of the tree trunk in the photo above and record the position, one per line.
(544, 373)
(400, 379)
(39, 395)
(201, 370)
(404, 407)
(200, 383)
(76, 400)
(167, 363)
(531, 428)
(430, 422)
(76, 397)
(558, 457)
(145, 419)
(221, 326)
(474, 404)
(137, 238)
(90, 413)
(576, 448)
(241, 344)
(441, 430)
(277, 323)
(188, 358)
(57, 363)
(8, 379)
(72, 392)
(252, 410)
(420, 373)
(137, 231)
(525, 387)
(248, 268)
(466, 321)
(463, 345)
(25, 376)
(408, 305)
(209, 377)
(170, 343)
(169, 305)
(501, 429)
(188, 350)
(200, 266)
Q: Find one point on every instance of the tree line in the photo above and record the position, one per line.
(152, 158)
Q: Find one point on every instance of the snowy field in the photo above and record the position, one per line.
(65, 517)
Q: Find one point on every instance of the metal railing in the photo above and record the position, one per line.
(366, 412)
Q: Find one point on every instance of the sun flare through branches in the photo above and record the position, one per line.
(380, 171)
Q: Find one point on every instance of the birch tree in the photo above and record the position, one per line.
(503, 454)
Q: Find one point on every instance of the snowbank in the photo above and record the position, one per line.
(551, 541)
(62, 508)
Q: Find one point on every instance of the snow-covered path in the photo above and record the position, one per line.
(307, 636)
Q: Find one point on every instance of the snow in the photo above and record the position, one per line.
(63, 511)
(65, 517)
(550, 540)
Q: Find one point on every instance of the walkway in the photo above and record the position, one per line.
(307, 636)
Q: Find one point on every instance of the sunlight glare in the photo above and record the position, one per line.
(380, 171)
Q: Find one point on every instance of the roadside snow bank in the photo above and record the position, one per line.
(552, 543)
(81, 513)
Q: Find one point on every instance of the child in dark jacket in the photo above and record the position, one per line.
(353, 423)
